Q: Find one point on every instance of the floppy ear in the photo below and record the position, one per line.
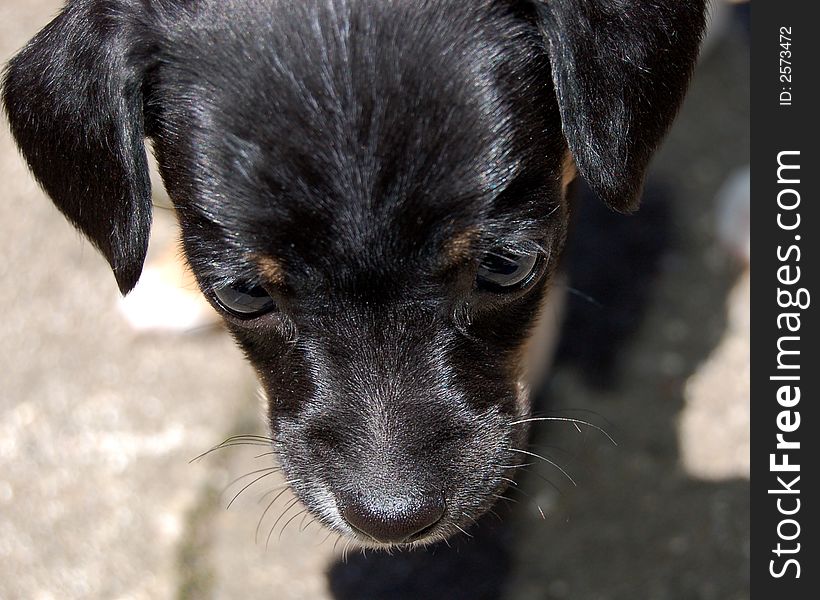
(73, 98)
(620, 69)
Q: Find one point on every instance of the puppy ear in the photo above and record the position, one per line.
(620, 70)
(74, 102)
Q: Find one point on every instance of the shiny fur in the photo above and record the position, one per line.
(359, 158)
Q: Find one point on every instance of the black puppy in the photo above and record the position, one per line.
(371, 192)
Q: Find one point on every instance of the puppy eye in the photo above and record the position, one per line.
(502, 271)
(244, 301)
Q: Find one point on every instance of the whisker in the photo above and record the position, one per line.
(518, 466)
(553, 463)
(290, 505)
(250, 484)
(545, 480)
(346, 549)
(530, 496)
(251, 473)
(285, 485)
(570, 411)
(576, 422)
(502, 497)
(227, 444)
(554, 449)
(289, 521)
(199, 329)
(327, 537)
(308, 524)
(271, 453)
(462, 531)
(469, 517)
(262, 518)
(583, 296)
(248, 437)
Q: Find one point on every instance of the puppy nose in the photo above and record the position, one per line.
(392, 519)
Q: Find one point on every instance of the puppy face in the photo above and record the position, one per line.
(371, 193)
(392, 224)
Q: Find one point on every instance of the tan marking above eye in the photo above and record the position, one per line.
(568, 171)
(271, 269)
(458, 249)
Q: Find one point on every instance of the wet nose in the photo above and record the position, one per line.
(392, 519)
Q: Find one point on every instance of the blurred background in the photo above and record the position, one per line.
(101, 412)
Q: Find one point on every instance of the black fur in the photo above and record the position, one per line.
(352, 141)
(621, 68)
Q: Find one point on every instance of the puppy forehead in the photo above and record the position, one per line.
(342, 127)
(347, 86)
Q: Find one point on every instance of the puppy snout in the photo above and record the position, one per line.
(392, 518)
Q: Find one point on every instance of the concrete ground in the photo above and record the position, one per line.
(98, 423)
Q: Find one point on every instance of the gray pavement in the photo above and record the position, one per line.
(98, 423)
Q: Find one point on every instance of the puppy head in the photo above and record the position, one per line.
(373, 196)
